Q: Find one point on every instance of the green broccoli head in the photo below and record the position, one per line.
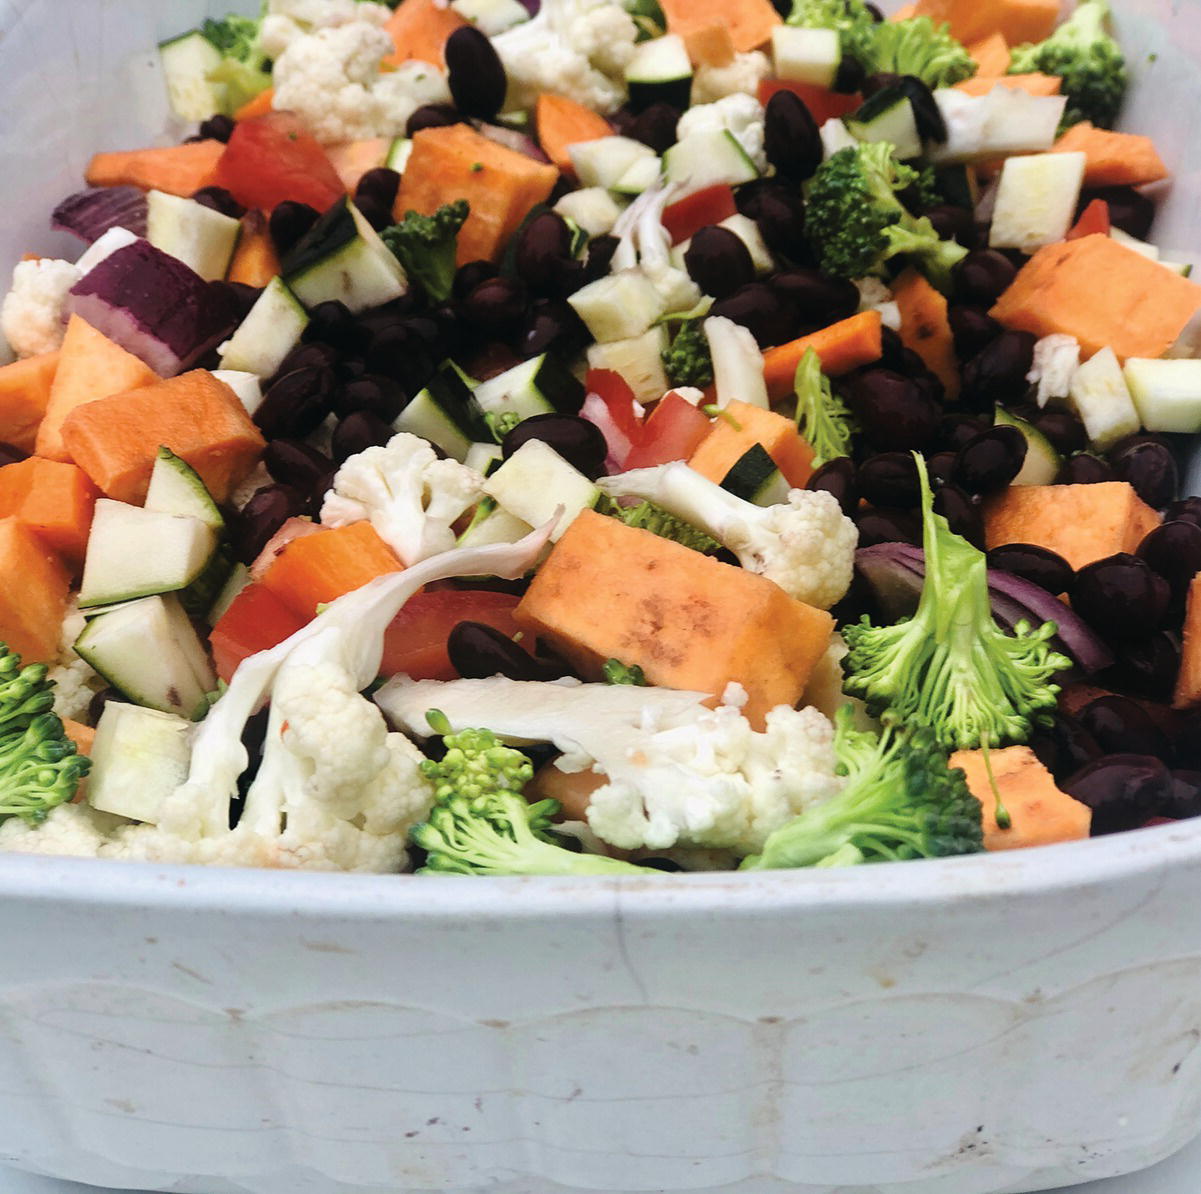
(480, 823)
(39, 765)
(921, 48)
(687, 359)
(244, 70)
(646, 516)
(823, 420)
(851, 19)
(901, 801)
(426, 245)
(1088, 60)
(951, 667)
(857, 224)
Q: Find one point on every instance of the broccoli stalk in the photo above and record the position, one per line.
(687, 360)
(481, 824)
(951, 667)
(850, 19)
(244, 70)
(857, 224)
(901, 801)
(1088, 60)
(920, 48)
(39, 765)
(617, 672)
(646, 516)
(425, 246)
(822, 419)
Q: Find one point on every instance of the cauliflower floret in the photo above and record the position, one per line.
(606, 35)
(739, 114)
(806, 544)
(875, 296)
(409, 87)
(287, 20)
(74, 830)
(742, 76)
(675, 771)
(33, 317)
(409, 496)
(75, 683)
(1056, 359)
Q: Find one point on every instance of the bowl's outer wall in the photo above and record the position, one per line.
(969, 1027)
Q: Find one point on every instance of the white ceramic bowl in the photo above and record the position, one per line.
(971, 1026)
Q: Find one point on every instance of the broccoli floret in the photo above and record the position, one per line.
(822, 419)
(481, 824)
(425, 246)
(244, 70)
(1088, 60)
(39, 765)
(925, 191)
(951, 667)
(851, 19)
(687, 360)
(901, 801)
(857, 223)
(646, 516)
(617, 672)
(921, 48)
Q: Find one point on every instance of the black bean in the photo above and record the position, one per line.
(718, 261)
(940, 466)
(1121, 726)
(780, 216)
(894, 412)
(1174, 551)
(962, 514)
(837, 477)
(890, 479)
(1121, 597)
(305, 356)
(400, 354)
(1124, 791)
(219, 199)
(316, 494)
(433, 116)
(955, 430)
(244, 296)
(297, 403)
(875, 13)
(1150, 468)
(478, 652)
(217, 128)
(289, 221)
(577, 440)
(1063, 745)
(998, 372)
(357, 432)
(377, 214)
(991, 460)
(332, 323)
(818, 300)
(543, 254)
(1147, 669)
(791, 138)
(97, 704)
(1185, 510)
(655, 126)
(1064, 429)
(1185, 798)
(11, 454)
(474, 73)
(470, 275)
(982, 276)
(378, 186)
(850, 76)
(372, 392)
(877, 525)
(1130, 210)
(552, 323)
(497, 306)
(261, 517)
(295, 463)
(601, 250)
(954, 223)
(757, 308)
(1039, 565)
(973, 329)
(1084, 469)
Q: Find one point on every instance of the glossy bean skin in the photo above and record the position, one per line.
(1146, 669)
(357, 432)
(470, 274)
(217, 128)
(1121, 597)
(261, 517)
(1039, 565)
(817, 299)
(1120, 726)
(972, 328)
(655, 126)
(1064, 429)
(381, 396)
(294, 463)
(1124, 791)
(998, 372)
(219, 199)
(433, 116)
(1150, 468)
(498, 305)
(982, 276)
(990, 460)
(577, 440)
(791, 138)
(757, 308)
(1173, 549)
(962, 514)
(297, 403)
(380, 186)
(954, 223)
(1130, 210)
(1084, 469)
(894, 412)
(890, 479)
(478, 651)
(718, 262)
(474, 73)
(878, 525)
(779, 212)
(543, 255)
(332, 323)
(1063, 745)
(552, 323)
(288, 223)
(837, 477)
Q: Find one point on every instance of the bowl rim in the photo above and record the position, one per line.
(972, 879)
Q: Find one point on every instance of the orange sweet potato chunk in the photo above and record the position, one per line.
(750, 22)
(991, 55)
(420, 29)
(499, 184)
(1188, 681)
(1113, 159)
(115, 439)
(1082, 523)
(925, 328)
(54, 500)
(1104, 294)
(725, 444)
(1017, 21)
(24, 396)
(33, 593)
(1041, 814)
(608, 591)
(1035, 84)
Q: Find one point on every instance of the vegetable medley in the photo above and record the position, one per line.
(602, 437)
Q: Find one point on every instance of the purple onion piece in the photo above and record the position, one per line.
(155, 307)
(511, 139)
(895, 572)
(533, 7)
(90, 214)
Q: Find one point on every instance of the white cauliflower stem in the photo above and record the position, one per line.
(33, 317)
(742, 75)
(806, 545)
(676, 772)
(408, 495)
(286, 21)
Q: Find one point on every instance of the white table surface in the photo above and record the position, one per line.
(1180, 1175)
